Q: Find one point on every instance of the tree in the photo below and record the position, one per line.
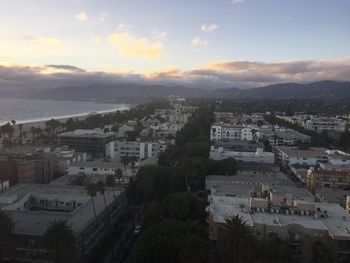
(100, 187)
(60, 239)
(6, 228)
(91, 189)
(183, 206)
(125, 160)
(197, 149)
(323, 253)
(171, 241)
(236, 241)
(155, 181)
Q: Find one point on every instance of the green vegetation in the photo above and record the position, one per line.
(6, 228)
(60, 239)
(236, 241)
(171, 241)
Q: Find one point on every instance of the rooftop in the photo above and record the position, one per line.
(97, 133)
(297, 152)
(15, 203)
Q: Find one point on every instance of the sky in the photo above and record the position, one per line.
(226, 43)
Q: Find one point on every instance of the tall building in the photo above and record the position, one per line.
(93, 142)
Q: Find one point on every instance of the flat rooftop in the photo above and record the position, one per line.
(278, 178)
(87, 133)
(96, 164)
(333, 195)
(297, 152)
(30, 222)
(337, 223)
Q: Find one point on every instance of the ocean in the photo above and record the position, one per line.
(24, 111)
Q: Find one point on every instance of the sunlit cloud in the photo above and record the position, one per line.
(129, 45)
(124, 27)
(42, 40)
(198, 42)
(209, 28)
(216, 74)
(82, 16)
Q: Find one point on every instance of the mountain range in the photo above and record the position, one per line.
(135, 93)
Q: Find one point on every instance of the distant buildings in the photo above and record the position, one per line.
(277, 136)
(259, 156)
(310, 156)
(33, 206)
(226, 132)
(139, 149)
(329, 124)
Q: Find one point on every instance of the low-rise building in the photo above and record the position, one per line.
(287, 212)
(328, 176)
(139, 149)
(259, 156)
(334, 195)
(33, 206)
(226, 132)
(329, 124)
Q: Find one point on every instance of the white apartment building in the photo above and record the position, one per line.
(259, 156)
(220, 132)
(165, 130)
(277, 136)
(140, 150)
(330, 124)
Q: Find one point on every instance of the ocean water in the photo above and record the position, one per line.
(23, 111)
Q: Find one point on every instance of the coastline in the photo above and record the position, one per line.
(40, 123)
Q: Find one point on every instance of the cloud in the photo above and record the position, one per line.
(209, 28)
(216, 74)
(42, 40)
(161, 36)
(132, 46)
(198, 42)
(82, 16)
(238, 1)
(66, 68)
(103, 16)
(124, 27)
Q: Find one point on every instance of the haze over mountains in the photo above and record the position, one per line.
(133, 93)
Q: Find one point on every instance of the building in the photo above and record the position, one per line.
(312, 156)
(33, 206)
(329, 124)
(259, 156)
(138, 149)
(166, 130)
(282, 136)
(227, 132)
(272, 179)
(90, 168)
(328, 176)
(254, 169)
(226, 117)
(92, 142)
(287, 212)
(334, 195)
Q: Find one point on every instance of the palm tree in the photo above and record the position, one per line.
(59, 238)
(100, 187)
(6, 227)
(125, 161)
(91, 189)
(110, 181)
(236, 241)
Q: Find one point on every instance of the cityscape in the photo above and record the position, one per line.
(238, 154)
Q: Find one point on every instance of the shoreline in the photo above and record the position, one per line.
(64, 118)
